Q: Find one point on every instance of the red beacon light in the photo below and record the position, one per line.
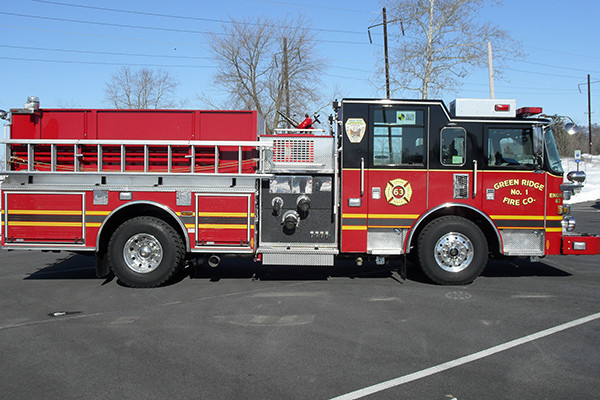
(502, 107)
(524, 112)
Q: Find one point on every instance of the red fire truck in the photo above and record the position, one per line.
(144, 190)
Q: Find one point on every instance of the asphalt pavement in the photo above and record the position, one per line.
(523, 330)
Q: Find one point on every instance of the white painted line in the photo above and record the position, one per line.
(532, 296)
(463, 360)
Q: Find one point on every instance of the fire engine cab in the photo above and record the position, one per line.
(144, 190)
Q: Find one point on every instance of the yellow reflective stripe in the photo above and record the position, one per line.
(354, 216)
(39, 223)
(389, 226)
(554, 230)
(222, 214)
(519, 217)
(395, 216)
(97, 212)
(354, 228)
(503, 228)
(223, 226)
(45, 212)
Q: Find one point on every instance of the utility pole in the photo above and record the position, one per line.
(385, 48)
(286, 80)
(385, 51)
(491, 69)
(589, 113)
(589, 88)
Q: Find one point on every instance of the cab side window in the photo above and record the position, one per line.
(454, 146)
(398, 136)
(511, 147)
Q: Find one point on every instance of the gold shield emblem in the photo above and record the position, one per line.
(398, 192)
(355, 129)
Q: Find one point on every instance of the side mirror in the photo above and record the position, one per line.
(571, 128)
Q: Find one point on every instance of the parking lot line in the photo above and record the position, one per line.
(357, 394)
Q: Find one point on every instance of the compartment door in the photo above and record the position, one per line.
(224, 220)
(44, 218)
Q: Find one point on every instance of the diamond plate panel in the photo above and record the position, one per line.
(297, 259)
(386, 242)
(523, 242)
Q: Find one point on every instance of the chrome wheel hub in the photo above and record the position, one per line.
(143, 253)
(454, 252)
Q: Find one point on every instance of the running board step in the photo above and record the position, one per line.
(299, 257)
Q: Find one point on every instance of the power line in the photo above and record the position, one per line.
(564, 53)
(501, 87)
(337, 9)
(104, 52)
(554, 66)
(184, 17)
(96, 35)
(542, 73)
(111, 24)
(144, 27)
(104, 63)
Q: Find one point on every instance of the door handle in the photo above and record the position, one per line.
(362, 176)
(474, 178)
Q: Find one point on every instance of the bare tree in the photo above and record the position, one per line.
(141, 89)
(443, 42)
(268, 66)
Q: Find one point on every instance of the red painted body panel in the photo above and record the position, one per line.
(353, 219)
(554, 199)
(59, 219)
(135, 125)
(403, 198)
(52, 218)
(151, 125)
(592, 244)
(224, 220)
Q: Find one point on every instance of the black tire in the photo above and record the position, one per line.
(145, 252)
(452, 250)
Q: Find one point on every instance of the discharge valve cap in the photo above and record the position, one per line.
(303, 203)
(290, 220)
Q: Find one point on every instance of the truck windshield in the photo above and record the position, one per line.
(552, 152)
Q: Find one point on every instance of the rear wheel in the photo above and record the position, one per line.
(452, 250)
(145, 252)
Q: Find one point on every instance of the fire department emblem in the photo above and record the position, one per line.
(355, 129)
(398, 192)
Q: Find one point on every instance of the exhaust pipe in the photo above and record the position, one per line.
(214, 261)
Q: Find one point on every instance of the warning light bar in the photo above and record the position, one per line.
(528, 111)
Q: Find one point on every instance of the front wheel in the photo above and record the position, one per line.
(145, 252)
(452, 250)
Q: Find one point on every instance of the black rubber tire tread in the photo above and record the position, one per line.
(171, 242)
(426, 248)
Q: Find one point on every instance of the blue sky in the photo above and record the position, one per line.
(65, 54)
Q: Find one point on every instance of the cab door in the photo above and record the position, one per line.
(455, 164)
(397, 175)
(514, 188)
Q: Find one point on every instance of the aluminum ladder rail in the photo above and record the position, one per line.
(77, 155)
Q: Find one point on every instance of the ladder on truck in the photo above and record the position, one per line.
(135, 156)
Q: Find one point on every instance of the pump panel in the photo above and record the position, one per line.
(297, 209)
